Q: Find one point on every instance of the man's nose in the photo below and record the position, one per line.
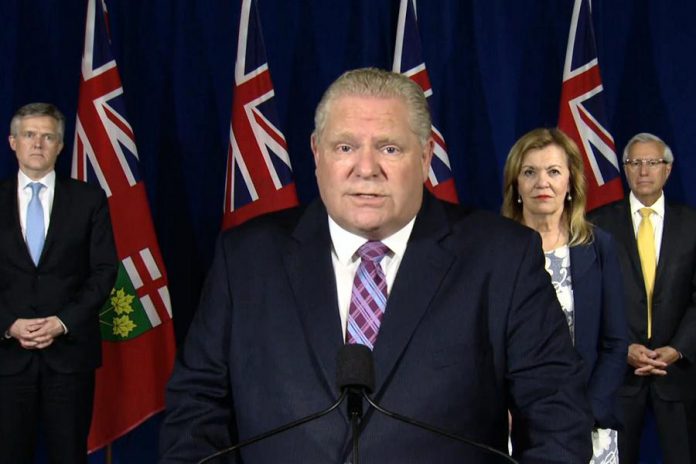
(368, 162)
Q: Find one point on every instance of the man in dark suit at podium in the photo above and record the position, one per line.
(455, 304)
(658, 259)
(57, 267)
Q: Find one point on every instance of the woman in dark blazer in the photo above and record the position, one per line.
(544, 188)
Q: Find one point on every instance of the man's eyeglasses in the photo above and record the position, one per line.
(637, 163)
(31, 136)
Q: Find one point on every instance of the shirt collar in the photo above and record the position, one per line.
(346, 243)
(49, 180)
(658, 207)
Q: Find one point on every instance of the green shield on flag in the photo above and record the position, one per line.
(123, 316)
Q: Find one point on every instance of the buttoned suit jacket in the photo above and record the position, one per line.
(472, 328)
(674, 295)
(601, 332)
(72, 280)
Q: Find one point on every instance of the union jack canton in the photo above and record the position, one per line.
(582, 115)
(408, 60)
(259, 174)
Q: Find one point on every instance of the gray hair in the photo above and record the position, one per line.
(644, 137)
(38, 109)
(373, 82)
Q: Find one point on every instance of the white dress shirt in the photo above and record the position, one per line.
(346, 261)
(657, 219)
(45, 197)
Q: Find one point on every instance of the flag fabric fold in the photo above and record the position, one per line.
(136, 321)
(259, 173)
(408, 60)
(582, 112)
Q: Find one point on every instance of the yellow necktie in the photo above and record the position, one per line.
(648, 262)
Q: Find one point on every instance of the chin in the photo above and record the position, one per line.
(373, 230)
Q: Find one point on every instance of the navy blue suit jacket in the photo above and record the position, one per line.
(601, 332)
(472, 328)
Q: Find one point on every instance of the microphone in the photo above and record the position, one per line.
(355, 374)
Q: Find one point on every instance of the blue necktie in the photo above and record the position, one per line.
(36, 230)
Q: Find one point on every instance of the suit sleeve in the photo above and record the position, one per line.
(551, 419)
(607, 376)
(199, 410)
(101, 275)
(684, 340)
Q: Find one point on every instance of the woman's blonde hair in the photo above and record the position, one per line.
(579, 229)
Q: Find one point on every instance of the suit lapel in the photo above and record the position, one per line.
(627, 236)
(61, 202)
(582, 262)
(10, 205)
(420, 274)
(669, 246)
(310, 271)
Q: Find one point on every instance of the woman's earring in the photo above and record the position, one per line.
(519, 198)
(568, 196)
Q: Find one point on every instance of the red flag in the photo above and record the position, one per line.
(582, 115)
(136, 321)
(408, 60)
(259, 175)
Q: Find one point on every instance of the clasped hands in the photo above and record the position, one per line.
(37, 333)
(651, 362)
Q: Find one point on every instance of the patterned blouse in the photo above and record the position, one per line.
(557, 264)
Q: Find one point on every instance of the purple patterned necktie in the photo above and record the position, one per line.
(369, 296)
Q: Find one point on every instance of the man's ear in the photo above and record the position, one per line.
(314, 143)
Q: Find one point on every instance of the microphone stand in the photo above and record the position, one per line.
(356, 380)
(275, 431)
(436, 430)
(355, 412)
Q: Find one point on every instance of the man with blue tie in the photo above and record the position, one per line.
(455, 304)
(57, 266)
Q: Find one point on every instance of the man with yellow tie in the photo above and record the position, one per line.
(658, 259)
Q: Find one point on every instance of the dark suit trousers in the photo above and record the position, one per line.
(61, 403)
(676, 428)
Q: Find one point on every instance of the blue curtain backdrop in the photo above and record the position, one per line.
(495, 66)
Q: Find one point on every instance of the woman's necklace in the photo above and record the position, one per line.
(558, 239)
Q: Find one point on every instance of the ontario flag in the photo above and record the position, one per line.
(136, 320)
(408, 60)
(582, 115)
(259, 175)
